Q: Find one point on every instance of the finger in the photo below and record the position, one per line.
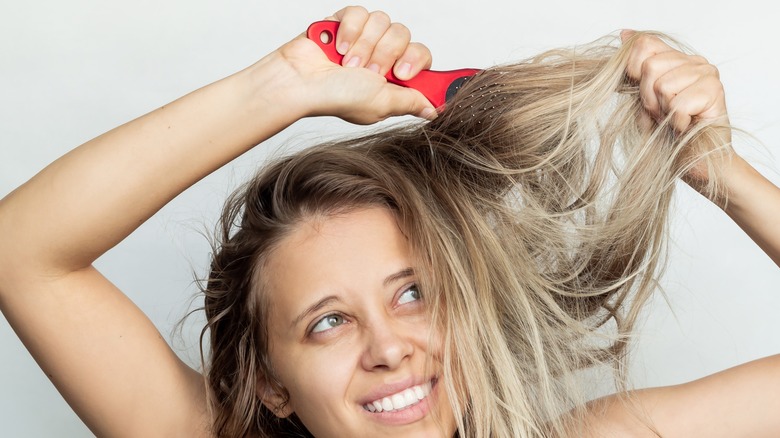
(361, 50)
(415, 58)
(644, 46)
(398, 101)
(671, 83)
(702, 100)
(389, 48)
(352, 20)
(650, 84)
(643, 49)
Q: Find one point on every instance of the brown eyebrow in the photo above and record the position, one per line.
(313, 308)
(404, 273)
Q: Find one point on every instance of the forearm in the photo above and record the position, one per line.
(90, 199)
(753, 202)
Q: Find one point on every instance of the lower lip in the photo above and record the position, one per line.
(407, 415)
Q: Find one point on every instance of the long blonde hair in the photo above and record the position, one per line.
(536, 206)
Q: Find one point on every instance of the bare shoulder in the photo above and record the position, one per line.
(740, 401)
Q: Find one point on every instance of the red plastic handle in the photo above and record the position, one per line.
(431, 83)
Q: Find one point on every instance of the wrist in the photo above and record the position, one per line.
(737, 179)
(273, 88)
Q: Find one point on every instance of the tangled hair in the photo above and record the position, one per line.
(535, 205)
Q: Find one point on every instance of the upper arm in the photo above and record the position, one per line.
(740, 401)
(105, 356)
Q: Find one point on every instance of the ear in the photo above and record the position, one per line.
(275, 398)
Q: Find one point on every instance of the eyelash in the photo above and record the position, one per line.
(323, 319)
(411, 287)
(311, 331)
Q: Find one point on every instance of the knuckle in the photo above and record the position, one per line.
(419, 52)
(380, 17)
(717, 85)
(650, 67)
(645, 43)
(712, 71)
(349, 28)
(401, 31)
(417, 49)
(356, 9)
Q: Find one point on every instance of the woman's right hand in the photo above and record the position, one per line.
(357, 90)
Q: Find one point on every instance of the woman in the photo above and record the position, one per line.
(337, 282)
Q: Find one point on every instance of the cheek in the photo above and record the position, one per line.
(318, 382)
(317, 379)
(428, 337)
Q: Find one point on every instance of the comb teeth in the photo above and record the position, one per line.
(492, 92)
(456, 85)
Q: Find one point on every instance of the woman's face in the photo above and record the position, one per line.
(348, 331)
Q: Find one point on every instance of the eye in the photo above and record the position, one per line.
(327, 323)
(410, 294)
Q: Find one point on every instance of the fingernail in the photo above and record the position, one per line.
(353, 61)
(404, 70)
(428, 113)
(374, 68)
(343, 47)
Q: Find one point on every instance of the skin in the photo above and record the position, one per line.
(741, 401)
(372, 336)
(101, 352)
(689, 87)
(107, 359)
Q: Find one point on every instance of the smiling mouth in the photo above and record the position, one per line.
(401, 400)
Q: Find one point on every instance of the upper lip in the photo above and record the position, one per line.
(389, 389)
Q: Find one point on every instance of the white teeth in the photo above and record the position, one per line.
(409, 397)
(398, 400)
(387, 404)
(403, 399)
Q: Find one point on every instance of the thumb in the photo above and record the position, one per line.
(403, 101)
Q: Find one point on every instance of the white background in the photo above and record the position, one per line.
(72, 70)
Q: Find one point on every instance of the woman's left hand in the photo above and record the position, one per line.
(688, 89)
(670, 81)
(685, 88)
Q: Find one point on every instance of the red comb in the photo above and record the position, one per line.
(436, 86)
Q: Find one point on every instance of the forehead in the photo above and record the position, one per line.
(335, 254)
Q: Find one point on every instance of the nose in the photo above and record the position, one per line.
(387, 344)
